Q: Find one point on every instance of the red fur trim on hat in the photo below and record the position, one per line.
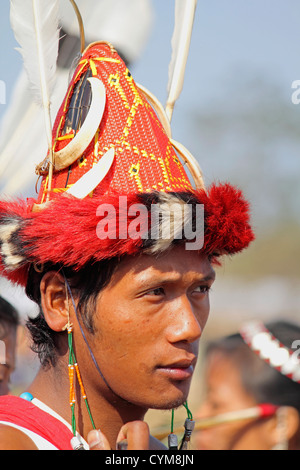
(65, 232)
(226, 220)
(71, 238)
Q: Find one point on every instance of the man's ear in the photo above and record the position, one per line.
(54, 300)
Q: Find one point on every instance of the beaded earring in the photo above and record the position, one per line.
(73, 371)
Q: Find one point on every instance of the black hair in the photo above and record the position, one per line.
(266, 384)
(9, 317)
(85, 284)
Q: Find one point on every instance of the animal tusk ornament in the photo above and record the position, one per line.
(68, 155)
(90, 180)
(74, 150)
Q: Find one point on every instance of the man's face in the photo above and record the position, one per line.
(148, 323)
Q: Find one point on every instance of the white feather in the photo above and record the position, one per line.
(35, 26)
(184, 19)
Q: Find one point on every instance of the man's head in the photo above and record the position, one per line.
(9, 320)
(143, 325)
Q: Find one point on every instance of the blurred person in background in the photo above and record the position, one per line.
(9, 320)
(245, 374)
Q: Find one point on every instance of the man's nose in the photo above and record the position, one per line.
(184, 323)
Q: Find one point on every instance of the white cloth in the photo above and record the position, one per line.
(39, 442)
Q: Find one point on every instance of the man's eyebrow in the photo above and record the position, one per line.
(156, 279)
(209, 277)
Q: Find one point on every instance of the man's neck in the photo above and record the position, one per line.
(109, 412)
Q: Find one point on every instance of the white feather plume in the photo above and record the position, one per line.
(184, 19)
(35, 26)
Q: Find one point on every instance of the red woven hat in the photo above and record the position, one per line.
(112, 149)
(144, 159)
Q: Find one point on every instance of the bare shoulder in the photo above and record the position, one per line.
(155, 444)
(14, 439)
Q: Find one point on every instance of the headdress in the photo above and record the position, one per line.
(111, 159)
(112, 147)
(257, 336)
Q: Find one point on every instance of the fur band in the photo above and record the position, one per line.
(67, 231)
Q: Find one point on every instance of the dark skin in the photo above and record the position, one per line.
(148, 322)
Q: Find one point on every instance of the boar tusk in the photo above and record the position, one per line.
(68, 155)
(91, 179)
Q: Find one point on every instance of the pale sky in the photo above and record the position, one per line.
(256, 36)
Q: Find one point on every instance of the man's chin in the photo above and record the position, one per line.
(169, 405)
(177, 397)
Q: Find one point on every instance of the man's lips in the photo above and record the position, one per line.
(179, 370)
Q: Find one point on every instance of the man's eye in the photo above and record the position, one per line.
(202, 289)
(156, 291)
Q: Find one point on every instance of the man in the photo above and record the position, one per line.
(147, 322)
(9, 320)
(118, 265)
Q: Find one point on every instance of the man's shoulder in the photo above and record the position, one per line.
(14, 439)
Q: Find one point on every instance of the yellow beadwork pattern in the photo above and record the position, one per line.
(114, 81)
(134, 173)
(145, 159)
